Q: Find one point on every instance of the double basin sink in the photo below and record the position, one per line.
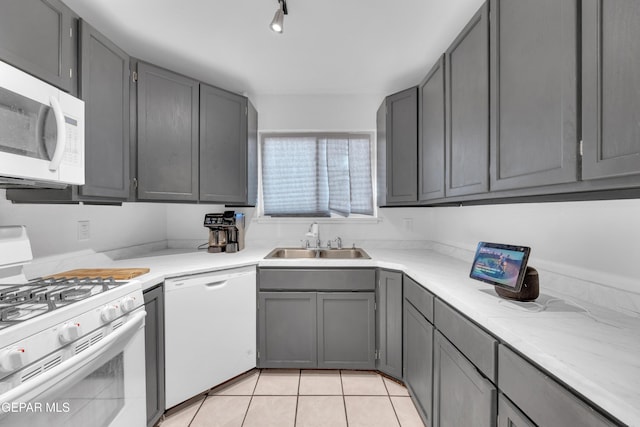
(288, 253)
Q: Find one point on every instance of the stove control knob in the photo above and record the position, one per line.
(108, 313)
(127, 304)
(12, 359)
(69, 332)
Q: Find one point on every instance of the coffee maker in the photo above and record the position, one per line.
(226, 231)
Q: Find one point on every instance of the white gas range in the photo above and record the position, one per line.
(71, 349)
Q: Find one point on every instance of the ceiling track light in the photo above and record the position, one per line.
(277, 24)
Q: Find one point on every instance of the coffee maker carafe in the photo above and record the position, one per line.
(226, 231)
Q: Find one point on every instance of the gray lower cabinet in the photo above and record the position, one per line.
(398, 139)
(287, 326)
(534, 102)
(467, 104)
(315, 317)
(418, 359)
(225, 146)
(431, 134)
(611, 89)
(154, 353)
(510, 416)
(389, 323)
(461, 395)
(39, 37)
(541, 398)
(346, 330)
(168, 134)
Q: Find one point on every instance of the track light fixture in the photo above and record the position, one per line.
(277, 24)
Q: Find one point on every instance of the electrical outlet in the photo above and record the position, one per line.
(84, 230)
(407, 224)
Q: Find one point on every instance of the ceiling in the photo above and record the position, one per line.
(328, 46)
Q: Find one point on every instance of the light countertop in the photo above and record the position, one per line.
(592, 350)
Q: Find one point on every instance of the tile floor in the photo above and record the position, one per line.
(301, 398)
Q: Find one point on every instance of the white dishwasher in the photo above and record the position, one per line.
(210, 330)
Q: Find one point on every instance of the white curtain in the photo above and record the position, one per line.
(316, 175)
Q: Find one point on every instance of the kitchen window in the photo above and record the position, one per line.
(317, 175)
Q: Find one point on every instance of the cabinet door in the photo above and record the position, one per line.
(510, 416)
(389, 323)
(610, 88)
(38, 36)
(461, 396)
(167, 135)
(534, 116)
(287, 330)
(541, 398)
(154, 353)
(223, 146)
(381, 153)
(104, 87)
(418, 359)
(402, 147)
(467, 115)
(431, 134)
(346, 330)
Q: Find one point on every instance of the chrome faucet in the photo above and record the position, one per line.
(339, 242)
(314, 232)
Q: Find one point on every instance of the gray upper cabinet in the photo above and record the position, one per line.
(398, 177)
(389, 323)
(167, 146)
(39, 37)
(224, 147)
(104, 86)
(346, 330)
(610, 88)
(534, 115)
(467, 103)
(431, 134)
(461, 396)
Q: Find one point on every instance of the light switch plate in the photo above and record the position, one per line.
(84, 230)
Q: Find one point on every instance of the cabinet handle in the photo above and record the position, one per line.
(216, 284)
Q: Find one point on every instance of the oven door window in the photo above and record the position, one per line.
(95, 401)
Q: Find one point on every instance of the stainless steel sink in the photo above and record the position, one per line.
(286, 253)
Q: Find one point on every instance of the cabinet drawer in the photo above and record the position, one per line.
(478, 346)
(544, 400)
(347, 279)
(419, 297)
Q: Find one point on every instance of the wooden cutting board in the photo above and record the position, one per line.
(103, 273)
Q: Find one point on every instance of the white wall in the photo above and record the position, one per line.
(184, 222)
(317, 112)
(53, 229)
(602, 237)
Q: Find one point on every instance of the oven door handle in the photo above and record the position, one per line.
(78, 366)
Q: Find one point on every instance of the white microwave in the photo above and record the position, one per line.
(41, 132)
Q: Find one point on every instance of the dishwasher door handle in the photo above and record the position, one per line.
(215, 285)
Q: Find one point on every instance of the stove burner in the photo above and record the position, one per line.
(75, 294)
(9, 313)
(19, 302)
